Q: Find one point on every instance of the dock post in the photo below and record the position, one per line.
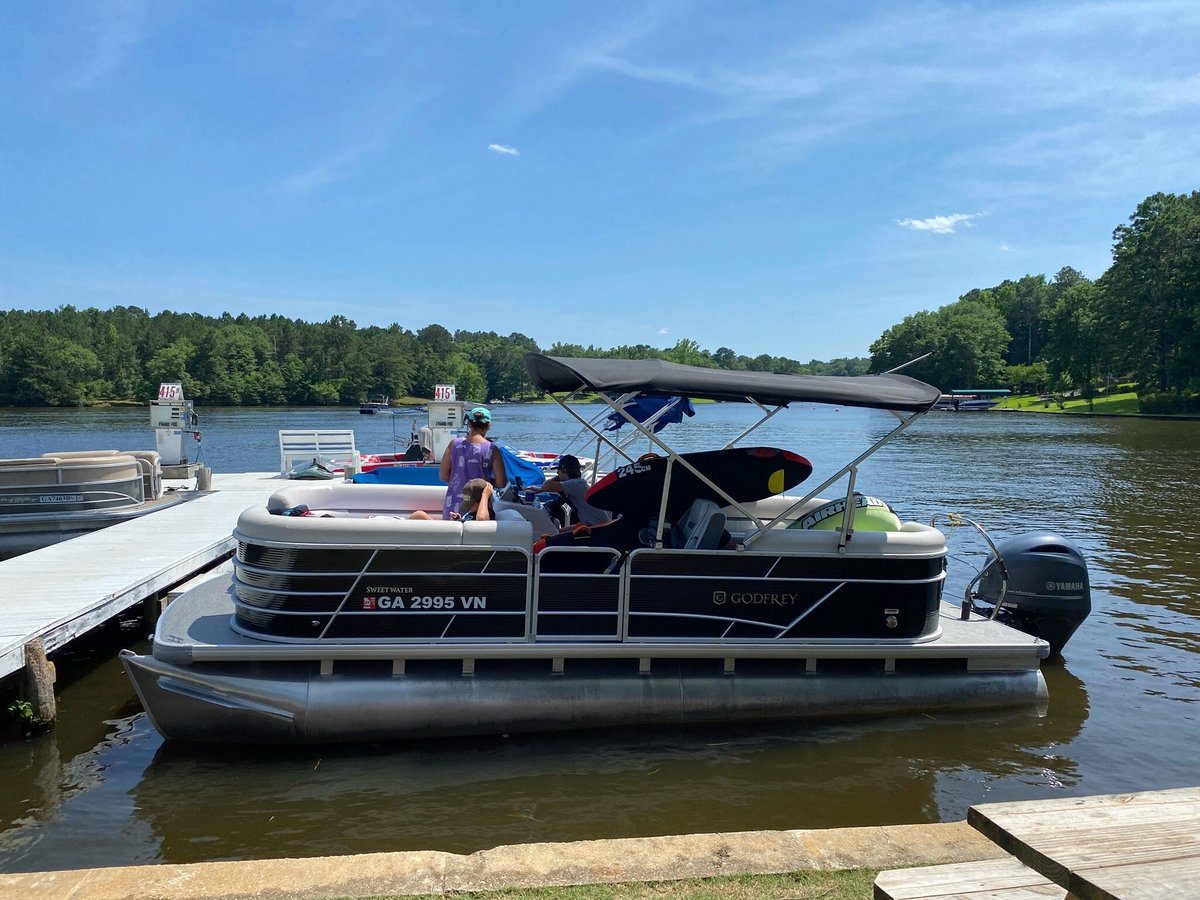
(39, 685)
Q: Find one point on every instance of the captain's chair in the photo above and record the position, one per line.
(701, 526)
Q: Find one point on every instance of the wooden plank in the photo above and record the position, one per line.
(1131, 846)
(992, 879)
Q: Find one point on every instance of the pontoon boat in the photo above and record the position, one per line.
(47, 499)
(717, 593)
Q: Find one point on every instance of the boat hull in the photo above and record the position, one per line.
(293, 703)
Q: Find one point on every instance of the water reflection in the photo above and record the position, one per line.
(103, 790)
(144, 800)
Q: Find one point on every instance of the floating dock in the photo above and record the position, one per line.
(56, 594)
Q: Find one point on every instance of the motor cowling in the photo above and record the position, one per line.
(1041, 582)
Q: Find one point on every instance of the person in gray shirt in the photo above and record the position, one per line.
(570, 483)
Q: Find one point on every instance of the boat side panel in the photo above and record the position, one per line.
(404, 593)
(767, 596)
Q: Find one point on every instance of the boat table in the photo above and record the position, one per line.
(1128, 846)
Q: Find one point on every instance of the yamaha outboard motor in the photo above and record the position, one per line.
(1041, 583)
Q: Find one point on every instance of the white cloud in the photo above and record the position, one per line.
(939, 224)
(330, 170)
(664, 331)
(113, 34)
(1005, 247)
(504, 149)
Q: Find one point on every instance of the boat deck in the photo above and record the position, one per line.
(62, 591)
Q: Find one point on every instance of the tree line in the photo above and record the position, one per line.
(1139, 321)
(76, 357)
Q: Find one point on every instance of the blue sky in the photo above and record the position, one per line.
(782, 177)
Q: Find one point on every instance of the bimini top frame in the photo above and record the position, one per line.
(906, 398)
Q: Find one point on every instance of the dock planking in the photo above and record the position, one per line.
(63, 591)
(1133, 846)
(990, 879)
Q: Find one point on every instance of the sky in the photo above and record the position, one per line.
(777, 177)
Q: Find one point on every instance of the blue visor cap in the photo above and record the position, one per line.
(480, 416)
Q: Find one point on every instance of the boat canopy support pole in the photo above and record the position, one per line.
(662, 505)
(588, 425)
(847, 531)
(767, 414)
(852, 466)
(676, 458)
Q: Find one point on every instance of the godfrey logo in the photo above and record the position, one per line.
(753, 599)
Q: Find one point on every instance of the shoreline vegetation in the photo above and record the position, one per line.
(1120, 401)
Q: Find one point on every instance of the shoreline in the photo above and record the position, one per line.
(514, 866)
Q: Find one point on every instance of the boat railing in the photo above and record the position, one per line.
(435, 582)
(81, 481)
(149, 461)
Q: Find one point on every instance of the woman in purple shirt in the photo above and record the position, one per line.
(471, 457)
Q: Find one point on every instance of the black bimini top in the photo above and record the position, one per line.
(562, 374)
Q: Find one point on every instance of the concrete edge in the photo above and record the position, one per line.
(520, 865)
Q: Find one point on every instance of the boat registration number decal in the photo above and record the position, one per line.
(395, 601)
(19, 499)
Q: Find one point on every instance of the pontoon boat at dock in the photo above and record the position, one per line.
(715, 596)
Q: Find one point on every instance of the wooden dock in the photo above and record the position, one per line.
(58, 593)
(1138, 846)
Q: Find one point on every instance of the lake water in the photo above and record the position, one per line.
(103, 789)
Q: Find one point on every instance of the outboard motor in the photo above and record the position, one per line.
(1041, 583)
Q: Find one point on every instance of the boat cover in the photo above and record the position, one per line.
(559, 374)
(643, 406)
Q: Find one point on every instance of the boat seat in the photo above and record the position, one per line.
(337, 528)
(701, 526)
(302, 446)
(537, 517)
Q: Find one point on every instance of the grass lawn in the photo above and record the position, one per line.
(850, 884)
(1122, 404)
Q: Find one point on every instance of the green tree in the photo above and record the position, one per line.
(968, 339)
(47, 370)
(1151, 293)
(170, 365)
(1078, 341)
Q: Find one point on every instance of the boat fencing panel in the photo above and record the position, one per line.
(577, 595)
(806, 591)
(382, 578)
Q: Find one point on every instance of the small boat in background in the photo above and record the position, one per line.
(57, 496)
(973, 400)
(376, 404)
(975, 404)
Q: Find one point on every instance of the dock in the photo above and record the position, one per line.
(56, 594)
(1137, 846)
